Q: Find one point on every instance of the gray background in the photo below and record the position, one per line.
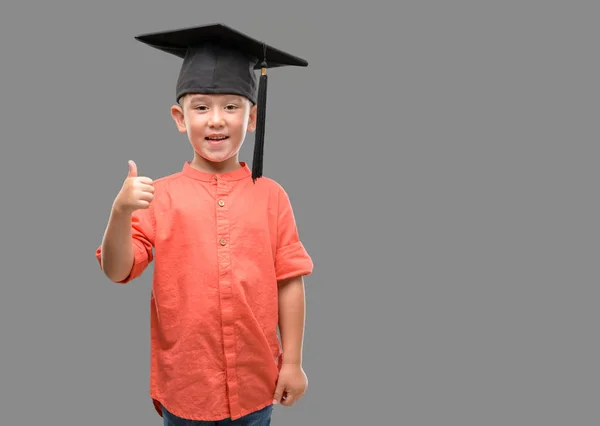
(441, 158)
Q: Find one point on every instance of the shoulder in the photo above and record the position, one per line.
(165, 188)
(278, 194)
(272, 187)
(269, 183)
(164, 182)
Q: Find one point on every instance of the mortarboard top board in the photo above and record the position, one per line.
(218, 59)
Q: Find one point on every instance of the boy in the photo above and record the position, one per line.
(229, 264)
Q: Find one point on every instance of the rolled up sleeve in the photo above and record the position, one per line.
(291, 259)
(142, 234)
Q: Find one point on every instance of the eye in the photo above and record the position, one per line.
(201, 107)
(231, 107)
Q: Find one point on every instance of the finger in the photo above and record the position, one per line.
(278, 394)
(132, 169)
(147, 188)
(288, 400)
(146, 196)
(144, 204)
(146, 180)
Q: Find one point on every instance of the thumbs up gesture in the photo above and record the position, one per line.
(137, 192)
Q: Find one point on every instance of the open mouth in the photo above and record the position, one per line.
(215, 140)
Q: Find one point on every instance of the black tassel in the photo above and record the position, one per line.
(259, 141)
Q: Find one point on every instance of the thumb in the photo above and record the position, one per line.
(132, 169)
(278, 393)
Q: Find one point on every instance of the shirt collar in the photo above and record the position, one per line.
(236, 174)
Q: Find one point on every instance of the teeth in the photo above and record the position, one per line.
(218, 138)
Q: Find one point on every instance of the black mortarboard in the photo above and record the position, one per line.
(219, 59)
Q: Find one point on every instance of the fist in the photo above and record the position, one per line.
(137, 192)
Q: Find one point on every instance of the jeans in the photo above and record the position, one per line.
(261, 417)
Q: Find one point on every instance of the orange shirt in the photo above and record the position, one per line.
(220, 243)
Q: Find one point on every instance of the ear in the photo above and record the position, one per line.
(252, 119)
(177, 114)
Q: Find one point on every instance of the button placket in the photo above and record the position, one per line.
(226, 289)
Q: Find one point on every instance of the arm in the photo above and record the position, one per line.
(292, 263)
(126, 248)
(117, 246)
(291, 318)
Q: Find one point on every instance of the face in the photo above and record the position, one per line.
(216, 126)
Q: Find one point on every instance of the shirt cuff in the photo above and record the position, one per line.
(292, 261)
(140, 261)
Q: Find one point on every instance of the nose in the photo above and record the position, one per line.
(216, 118)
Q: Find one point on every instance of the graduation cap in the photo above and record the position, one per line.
(220, 60)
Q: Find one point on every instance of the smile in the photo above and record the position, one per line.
(216, 140)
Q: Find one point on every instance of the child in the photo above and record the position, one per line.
(229, 264)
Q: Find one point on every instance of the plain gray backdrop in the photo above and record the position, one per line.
(442, 162)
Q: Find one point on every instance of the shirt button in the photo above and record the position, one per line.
(222, 241)
(215, 178)
(221, 203)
